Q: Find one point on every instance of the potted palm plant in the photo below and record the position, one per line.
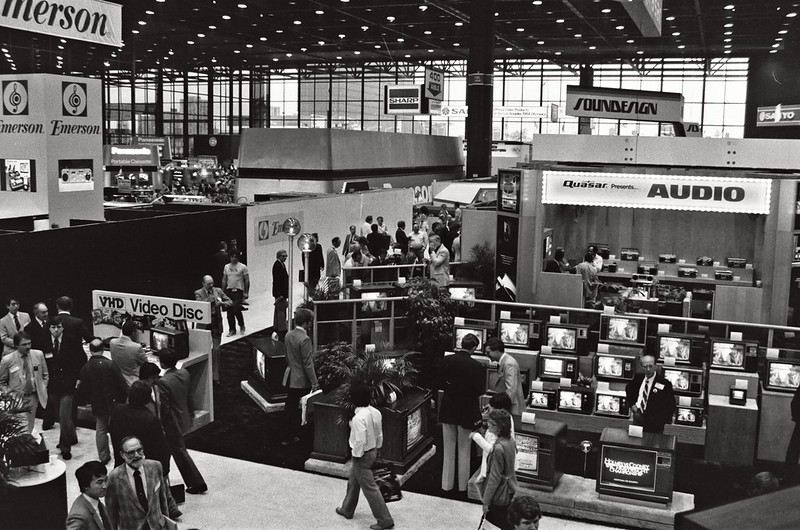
(15, 444)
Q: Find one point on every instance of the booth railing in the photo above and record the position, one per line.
(390, 273)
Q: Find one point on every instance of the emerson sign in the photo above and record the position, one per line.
(143, 305)
(624, 104)
(87, 20)
(657, 192)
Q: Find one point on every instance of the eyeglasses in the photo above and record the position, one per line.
(133, 452)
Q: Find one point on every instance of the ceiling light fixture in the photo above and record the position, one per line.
(142, 23)
(319, 12)
(559, 21)
(297, 22)
(791, 15)
(242, 6)
(729, 7)
(226, 17)
(212, 27)
(390, 19)
(540, 42)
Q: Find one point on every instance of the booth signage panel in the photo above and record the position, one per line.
(549, 112)
(87, 20)
(162, 143)
(657, 192)
(403, 99)
(144, 305)
(778, 116)
(131, 155)
(434, 84)
(624, 104)
(269, 228)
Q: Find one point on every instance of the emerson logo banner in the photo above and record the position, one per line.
(658, 192)
(87, 20)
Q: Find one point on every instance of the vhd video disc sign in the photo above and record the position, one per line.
(15, 98)
(73, 99)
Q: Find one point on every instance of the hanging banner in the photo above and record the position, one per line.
(624, 104)
(154, 306)
(547, 112)
(87, 20)
(778, 116)
(657, 192)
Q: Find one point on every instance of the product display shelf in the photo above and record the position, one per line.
(666, 278)
(776, 419)
(733, 429)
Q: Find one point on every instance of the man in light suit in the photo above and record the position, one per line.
(333, 263)
(127, 354)
(88, 511)
(300, 377)
(11, 324)
(25, 371)
(219, 301)
(136, 494)
(509, 380)
(42, 340)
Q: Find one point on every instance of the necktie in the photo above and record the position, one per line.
(137, 479)
(16, 322)
(104, 516)
(645, 393)
(26, 368)
(55, 346)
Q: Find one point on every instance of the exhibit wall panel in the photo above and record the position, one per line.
(328, 215)
(478, 227)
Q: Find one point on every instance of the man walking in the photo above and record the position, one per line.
(333, 263)
(280, 290)
(300, 377)
(24, 371)
(236, 284)
(68, 361)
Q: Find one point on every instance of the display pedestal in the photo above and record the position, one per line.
(775, 419)
(40, 499)
(270, 366)
(731, 437)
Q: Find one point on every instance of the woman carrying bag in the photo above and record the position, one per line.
(501, 480)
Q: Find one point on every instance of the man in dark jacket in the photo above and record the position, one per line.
(67, 361)
(651, 398)
(280, 291)
(135, 419)
(102, 385)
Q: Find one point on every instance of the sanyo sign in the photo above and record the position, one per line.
(143, 305)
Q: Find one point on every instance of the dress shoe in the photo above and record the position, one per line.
(242, 330)
(343, 514)
(378, 526)
(47, 426)
(290, 442)
(175, 514)
(232, 333)
(197, 490)
(66, 455)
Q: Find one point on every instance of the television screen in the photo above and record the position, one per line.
(738, 394)
(609, 366)
(414, 428)
(370, 303)
(628, 468)
(542, 400)
(462, 293)
(727, 354)
(159, 340)
(678, 378)
(783, 375)
(527, 454)
(609, 403)
(686, 382)
(562, 338)
(514, 333)
(687, 415)
(460, 332)
(261, 364)
(553, 367)
(626, 329)
(570, 400)
(674, 347)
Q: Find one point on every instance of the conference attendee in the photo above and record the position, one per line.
(74, 327)
(486, 440)
(401, 238)
(176, 417)
(68, 361)
(417, 243)
(457, 212)
(219, 301)
(763, 482)
(136, 492)
(236, 284)
(793, 450)
(500, 485)
(149, 373)
(439, 262)
(12, 323)
(558, 263)
(299, 377)
(102, 385)
(24, 371)
(377, 241)
(366, 226)
(651, 397)
(221, 258)
(366, 439)
(524, 513)
(509, 380)
(126, 353)
(597, 259)
(349, 240)
(463, 380)
(233, 248)
(314, 264)
(455, 246)
(382, 228)
(88, 511)
(41, 340)
(588, 274)
(280, 291)
(333, 263)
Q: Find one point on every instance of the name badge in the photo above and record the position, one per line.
(14, 369)
(659, 386)
(48, 355)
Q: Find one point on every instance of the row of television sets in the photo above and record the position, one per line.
(583, 400)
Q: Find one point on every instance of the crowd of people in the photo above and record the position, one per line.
(588, 269)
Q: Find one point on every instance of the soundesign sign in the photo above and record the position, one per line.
(611, 103)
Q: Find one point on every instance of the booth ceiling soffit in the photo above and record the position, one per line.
(253, 33)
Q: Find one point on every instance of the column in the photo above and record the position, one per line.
(480, 67)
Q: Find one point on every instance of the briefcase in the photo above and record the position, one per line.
(387, 481)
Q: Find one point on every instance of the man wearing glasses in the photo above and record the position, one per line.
(136, 495)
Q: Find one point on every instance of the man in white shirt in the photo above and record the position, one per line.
(366, 438)
(88, 512)
(417, 243)
(366, 226)
(236, 284)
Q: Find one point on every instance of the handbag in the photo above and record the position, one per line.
(387, 482)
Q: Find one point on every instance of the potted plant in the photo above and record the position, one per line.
(14, 443)
(480, 266)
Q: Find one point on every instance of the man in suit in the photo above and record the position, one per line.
(300, 377)
(68, 360)
(102, 385)
(349, 240)
(219, 301)
(136, 493)
(280, 291)
(41, 340)
(88, 511)
(12, 323)
(314, 263)
(73, 326)
(135, 419)
(333, 263)
(176, 413)
(24, 371)
(509, 380)
(650, 397)
(127, 354)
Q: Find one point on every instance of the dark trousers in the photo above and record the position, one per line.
(498, 516)
(235, 310)
(291, 411)
(191, 475)
(51, 410)
(362, 479)
(67, 427)
(792, 455)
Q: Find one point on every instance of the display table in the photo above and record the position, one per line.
(732, 430)
(775, 419)
(40, 500)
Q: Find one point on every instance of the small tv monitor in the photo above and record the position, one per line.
(543, 399)
(554, 367)
(462, 293)
(689, 416)
(783, 375)
(628, 468)
(685, 381)
(575, 399)
(615, 367)
(675, 346)
(608, 403)
(459, 332)
(517, 332)
(161, 338)
(370, 302)
(567, 338)
(730, 355)
(625, 329)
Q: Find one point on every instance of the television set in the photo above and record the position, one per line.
(543, 399)
(459, 332)
(737, 396)
(614, 367)
(462, 293)
(371, 303)
(689, 416)
(636, 472)
(609, 403)
(783, 375)
(575, 399)
(567, 338)
(731, 355)
(624, 329)
(161, 338)
(554, 367)
(685, 381)
(675, 346)
(517, 332)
